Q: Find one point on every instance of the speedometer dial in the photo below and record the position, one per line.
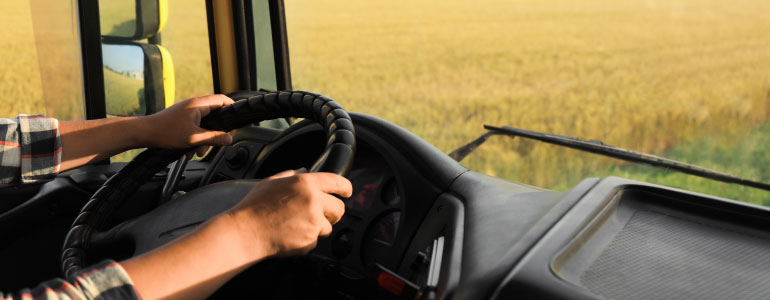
(365, 181)
(384, 231)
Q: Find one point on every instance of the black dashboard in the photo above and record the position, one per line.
(421, 226)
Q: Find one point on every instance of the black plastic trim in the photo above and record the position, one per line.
(539, 231)
(280, 45)
(251, 43)
(503, 220)
(91, 49)
(446, 218)
(242, 46)
(155, 96)
(213, 46)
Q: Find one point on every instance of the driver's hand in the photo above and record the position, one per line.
(179, 125)
(286, 213)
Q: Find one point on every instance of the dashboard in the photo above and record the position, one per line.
(367, 232)
(389, 209)
(422, 226)
(369, 228)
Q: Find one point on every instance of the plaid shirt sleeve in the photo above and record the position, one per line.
(30, 149)
(107, 280)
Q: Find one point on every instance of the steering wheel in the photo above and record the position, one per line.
(89, 230)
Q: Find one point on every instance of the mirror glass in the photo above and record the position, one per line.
(118, 18)
(123, 67)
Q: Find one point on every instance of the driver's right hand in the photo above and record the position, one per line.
(286, 213)
(282, 215)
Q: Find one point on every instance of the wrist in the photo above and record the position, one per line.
(250, 237)
(140, 129)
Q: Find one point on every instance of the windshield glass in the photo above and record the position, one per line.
(683, 79)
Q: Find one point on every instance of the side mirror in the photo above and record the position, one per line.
(138, 78)
(132, 19)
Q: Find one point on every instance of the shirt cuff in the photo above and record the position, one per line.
(40, 148)
(106, 280)
(10, 151)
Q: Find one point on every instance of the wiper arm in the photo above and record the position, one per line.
(607, 150)
(460, 153)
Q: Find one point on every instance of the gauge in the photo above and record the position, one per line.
(384, 231)
(390, 195)
(380, 236)
(365, 182)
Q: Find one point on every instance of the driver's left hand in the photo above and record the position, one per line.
(179, 125)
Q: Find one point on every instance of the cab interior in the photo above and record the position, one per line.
(420, 225)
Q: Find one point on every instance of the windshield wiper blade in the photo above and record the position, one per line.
(460, 153)
(598, 147)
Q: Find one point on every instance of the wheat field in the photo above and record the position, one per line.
(39, 77)
(646, 75)
(686, 79)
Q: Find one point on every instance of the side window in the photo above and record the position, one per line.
(41, 69)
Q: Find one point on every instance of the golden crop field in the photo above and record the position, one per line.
(687, 79)
(647, 75)
(40, 68)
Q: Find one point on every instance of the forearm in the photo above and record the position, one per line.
(175, 127)
(194, 266)
(93, 140)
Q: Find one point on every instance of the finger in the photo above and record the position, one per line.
(201, 151)
(284, 174)
(189, 155)
(204, 137)
(332, 184)
(333, 209)
(326, 229)
(211, 102)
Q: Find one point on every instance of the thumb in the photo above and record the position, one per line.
(212, 138)
(287, 173)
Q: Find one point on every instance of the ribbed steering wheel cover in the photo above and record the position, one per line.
(250, 107)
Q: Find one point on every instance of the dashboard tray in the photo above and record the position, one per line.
(644, 244)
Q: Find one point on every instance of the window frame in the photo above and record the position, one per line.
(91, 54)
(237, 18)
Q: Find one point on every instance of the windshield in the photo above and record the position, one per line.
(683, 79)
